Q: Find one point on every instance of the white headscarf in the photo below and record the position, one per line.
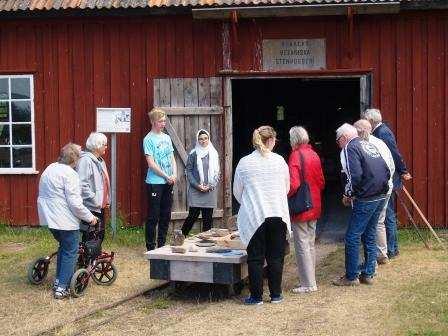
(213, 159)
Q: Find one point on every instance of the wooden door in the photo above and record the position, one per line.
(365, 94)
(191, 104)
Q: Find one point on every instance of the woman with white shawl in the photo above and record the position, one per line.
(203, 174)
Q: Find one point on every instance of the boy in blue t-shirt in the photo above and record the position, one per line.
(160, 178)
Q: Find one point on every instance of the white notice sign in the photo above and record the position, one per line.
(300, 54)
(113, 120)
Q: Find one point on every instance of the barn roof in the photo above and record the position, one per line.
(42, 5)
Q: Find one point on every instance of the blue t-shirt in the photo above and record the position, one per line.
(160, 147)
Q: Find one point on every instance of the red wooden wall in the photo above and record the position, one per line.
(83, 64)
(80, 64)
(408, 54)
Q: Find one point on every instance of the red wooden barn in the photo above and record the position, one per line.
(228, 66)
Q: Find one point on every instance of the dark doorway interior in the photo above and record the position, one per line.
(320, 105)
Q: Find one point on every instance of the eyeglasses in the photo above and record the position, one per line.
(338, 139)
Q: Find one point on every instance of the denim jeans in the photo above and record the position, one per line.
(362, 228)
(391, 227)
(67, 255)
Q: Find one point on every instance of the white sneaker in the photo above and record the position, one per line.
(61, 293)
(302, 290)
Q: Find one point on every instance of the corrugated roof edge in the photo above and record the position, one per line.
(62, 5)
(36, 5)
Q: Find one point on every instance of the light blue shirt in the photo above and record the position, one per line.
(160, 148)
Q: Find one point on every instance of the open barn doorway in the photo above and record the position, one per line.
(319, 104)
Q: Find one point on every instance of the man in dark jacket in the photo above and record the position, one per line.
(367, 185)
(381, 131)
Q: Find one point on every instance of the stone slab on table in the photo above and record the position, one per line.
(199, 266)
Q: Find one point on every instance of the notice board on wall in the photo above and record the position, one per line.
(113, 120)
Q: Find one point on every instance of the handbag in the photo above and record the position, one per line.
(301, 200)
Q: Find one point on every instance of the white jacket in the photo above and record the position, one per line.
(59, 203)
(261, 185)
(387, 157)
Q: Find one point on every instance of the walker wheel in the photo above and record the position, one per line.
(79, 282)
(37, 270)
(105, 273)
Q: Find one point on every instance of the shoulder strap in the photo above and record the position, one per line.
(302, 167)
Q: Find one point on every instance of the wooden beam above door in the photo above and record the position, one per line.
(207, 110)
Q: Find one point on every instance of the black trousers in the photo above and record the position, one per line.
(268, 243)
(87, 234)
(193, 215)
(160, 202)
(99, 233)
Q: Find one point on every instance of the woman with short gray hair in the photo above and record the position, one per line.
(298, 136)
(95, 184)
(60, 207)
(304, 162)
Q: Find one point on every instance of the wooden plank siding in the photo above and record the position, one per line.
(407, 56)
(83, 63)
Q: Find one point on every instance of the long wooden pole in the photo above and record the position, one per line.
(408, 213)
(423, 217)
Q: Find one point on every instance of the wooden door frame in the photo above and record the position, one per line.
(228, 76)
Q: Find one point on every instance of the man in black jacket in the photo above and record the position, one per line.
(381, 131)
(367, 185)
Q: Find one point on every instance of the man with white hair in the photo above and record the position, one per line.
(366, 189)
(383, 132)
(364, 132)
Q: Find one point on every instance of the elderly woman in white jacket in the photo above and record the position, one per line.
(60, 207)
(261, 185)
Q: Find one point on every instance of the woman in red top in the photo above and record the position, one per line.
(304, 225)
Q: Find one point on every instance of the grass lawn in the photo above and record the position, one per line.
(20, 246)
(409, 297)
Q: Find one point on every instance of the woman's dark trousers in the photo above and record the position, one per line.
(268, 243)
(99, 234)
(193, 215)
(160, 202)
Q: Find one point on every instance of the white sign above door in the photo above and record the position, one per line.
(297, 54)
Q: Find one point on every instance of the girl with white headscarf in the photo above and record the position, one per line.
(203, 174)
